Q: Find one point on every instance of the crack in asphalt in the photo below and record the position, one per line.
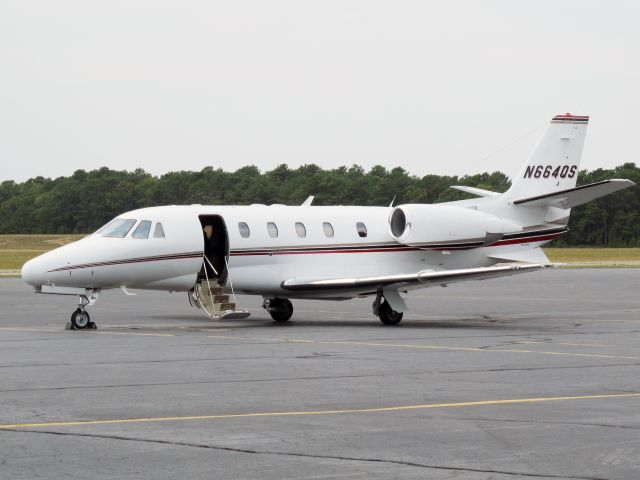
(142, 362)
(538, 422)
(205, 382)
(420, 374)
(307, 455)
(323, 377)
(527, 369)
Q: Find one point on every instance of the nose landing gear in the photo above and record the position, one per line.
(80, 318)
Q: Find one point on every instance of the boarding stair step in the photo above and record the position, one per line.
(223, 307)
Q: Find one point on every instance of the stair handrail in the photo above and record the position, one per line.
(230, 281)
(207, 275)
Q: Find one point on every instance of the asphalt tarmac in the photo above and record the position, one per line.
(535, 376)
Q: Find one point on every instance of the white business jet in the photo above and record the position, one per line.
(333, 253)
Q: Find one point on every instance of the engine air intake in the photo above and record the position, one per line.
(398, 222)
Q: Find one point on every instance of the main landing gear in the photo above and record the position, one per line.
(384, 312)
(80, 318)
(280, 309)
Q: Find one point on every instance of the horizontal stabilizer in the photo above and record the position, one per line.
(535, 255)
(573, 197)
(475, 191)
(424, 278)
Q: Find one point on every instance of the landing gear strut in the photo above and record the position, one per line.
(280, 309)
(384, 312)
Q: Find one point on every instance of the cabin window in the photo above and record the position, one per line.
(142, 230)
(328, 229)
(243, 228)
(272, 228)
(301, 229)
(158, 232)
(118, 228)
(362, 229)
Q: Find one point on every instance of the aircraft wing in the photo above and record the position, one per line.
(573, 197)
(424, 278)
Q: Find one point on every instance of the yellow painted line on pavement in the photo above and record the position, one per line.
(428, 347)
(401, 408)
(25, 329)
(542, 342)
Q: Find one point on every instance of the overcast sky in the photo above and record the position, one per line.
(434, 87)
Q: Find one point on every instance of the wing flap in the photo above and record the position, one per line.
(423, 278)
(535, 255)
(573, 197)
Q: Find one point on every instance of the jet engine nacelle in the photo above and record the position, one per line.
(443, 225)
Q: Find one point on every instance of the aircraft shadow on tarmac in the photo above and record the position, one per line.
(195, 322)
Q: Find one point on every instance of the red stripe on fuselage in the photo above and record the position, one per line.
(535, 238)
(400, 248)
(313, 252)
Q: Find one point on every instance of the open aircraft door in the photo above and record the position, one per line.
(208, 294)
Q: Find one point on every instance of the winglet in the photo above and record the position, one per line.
(307, 202)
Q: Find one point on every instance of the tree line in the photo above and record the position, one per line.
(84, 201)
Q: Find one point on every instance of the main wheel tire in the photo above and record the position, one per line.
(389, 316)
(80, 319)
(282, 310)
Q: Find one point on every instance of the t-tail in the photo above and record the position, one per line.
(554, 164)
(545, 190)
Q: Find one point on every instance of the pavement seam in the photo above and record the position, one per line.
(305, 455)
(427, 347)
(542, 422)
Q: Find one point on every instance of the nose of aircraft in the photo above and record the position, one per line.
(33, 272)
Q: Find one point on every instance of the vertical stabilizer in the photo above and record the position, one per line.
(554, 164)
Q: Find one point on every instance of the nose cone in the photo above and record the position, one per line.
(33, 272)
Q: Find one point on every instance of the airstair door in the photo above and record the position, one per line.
(208, 293)
(216, 247)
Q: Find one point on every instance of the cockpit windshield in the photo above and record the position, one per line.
(117, 228)
(142, 230)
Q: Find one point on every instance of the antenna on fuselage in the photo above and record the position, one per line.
(392, 200)
(307, 202)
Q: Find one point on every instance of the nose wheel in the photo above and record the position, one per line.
(80, 320)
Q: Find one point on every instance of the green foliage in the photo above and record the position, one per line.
(84, 201)
(613, 220)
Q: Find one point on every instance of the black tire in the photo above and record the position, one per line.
(389, 316)
(80, 319)
(282, 309)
